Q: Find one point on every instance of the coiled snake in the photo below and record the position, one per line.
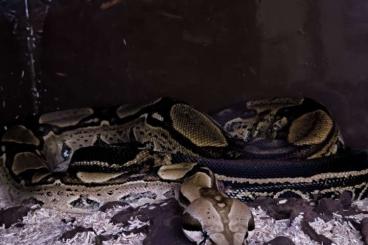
(78, 159)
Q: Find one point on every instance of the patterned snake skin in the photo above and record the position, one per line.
(78, 159)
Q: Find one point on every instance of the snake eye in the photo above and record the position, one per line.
(66, 152)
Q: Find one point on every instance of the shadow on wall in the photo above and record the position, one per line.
(209, 53)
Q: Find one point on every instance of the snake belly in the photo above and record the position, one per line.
(78, 159)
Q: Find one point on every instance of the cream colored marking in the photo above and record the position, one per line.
(301, 133)
(364, 190)
(124, 111)
(175, 171)
(88, 134)
(83, 137)
(196, 127)
(69, 192)
(241, 128)
(156, 101)
(317, 177)
(339, 136)
(96, 177)
(218, 198)
(219, 238)
(221, 204)
(140, 157)
(158, 116)
(273, 104)
(96, 163)
(109, 4)
(239, 217)
(329, 149)
(105, 123)
(336, 190)
(192, 186)
(341, 189)
(161, 139)
(203, 207)
(37, 177)
(92, 120)
(250, 195)
(144, 115)
(297, 192)
(21, 135)
(194, 236)
(65, 118)
(280, 124)
(283, 201)
(27, 161)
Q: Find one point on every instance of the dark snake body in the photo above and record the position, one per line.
(281, 147)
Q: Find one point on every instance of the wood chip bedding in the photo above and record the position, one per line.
(286, 221)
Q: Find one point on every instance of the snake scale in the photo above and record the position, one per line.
(78, 159)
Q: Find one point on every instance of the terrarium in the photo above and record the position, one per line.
(183, 122)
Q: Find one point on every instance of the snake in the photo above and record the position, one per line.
(78, 159)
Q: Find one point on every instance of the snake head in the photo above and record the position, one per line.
(217, 220)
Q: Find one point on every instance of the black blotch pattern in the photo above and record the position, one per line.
(280, 240)
(72, 233)
(13, 215)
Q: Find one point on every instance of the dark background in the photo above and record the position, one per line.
(62, 54)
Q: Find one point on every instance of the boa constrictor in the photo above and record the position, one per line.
(78, 159)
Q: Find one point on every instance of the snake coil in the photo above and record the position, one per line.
(80, 158)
